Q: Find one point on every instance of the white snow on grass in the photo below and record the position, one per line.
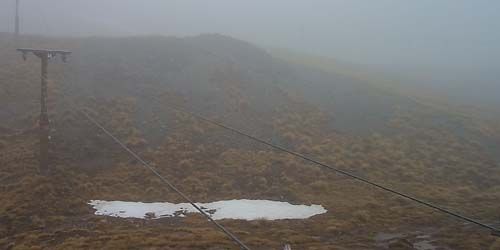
(230, 209)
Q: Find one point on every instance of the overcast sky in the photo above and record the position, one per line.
(457, 33)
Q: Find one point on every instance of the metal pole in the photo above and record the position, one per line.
(44, 122)
(17, 18)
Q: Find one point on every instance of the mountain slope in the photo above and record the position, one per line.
(128, 84)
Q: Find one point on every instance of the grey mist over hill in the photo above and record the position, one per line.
(447, 46)
(388, 116)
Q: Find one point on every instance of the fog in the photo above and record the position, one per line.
(313, 124)
(443, 41)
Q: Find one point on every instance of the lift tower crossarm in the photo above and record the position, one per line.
(44, 123)
(44, 52)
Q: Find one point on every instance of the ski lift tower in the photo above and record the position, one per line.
(44, 123)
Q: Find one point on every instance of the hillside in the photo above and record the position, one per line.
(477, 121)
(430, 151)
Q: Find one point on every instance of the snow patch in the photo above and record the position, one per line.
(230, 209)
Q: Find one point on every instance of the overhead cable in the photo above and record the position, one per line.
(494, 231)
(164, 180)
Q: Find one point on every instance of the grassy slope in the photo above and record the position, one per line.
(478, 122)
(430, 162)
(384, 82)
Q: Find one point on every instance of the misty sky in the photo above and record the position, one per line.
(455, 33)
